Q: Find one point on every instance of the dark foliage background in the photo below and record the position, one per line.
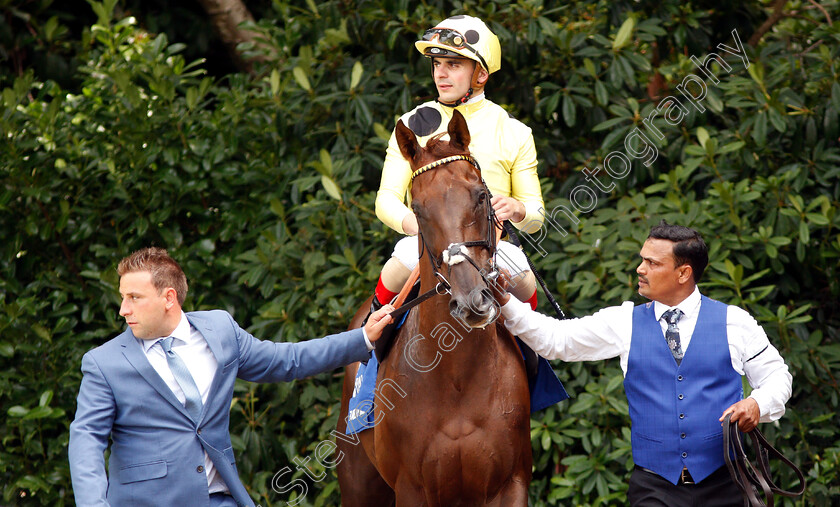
(117, 135)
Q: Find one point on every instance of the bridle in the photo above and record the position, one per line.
(746, 475)
(457, 252)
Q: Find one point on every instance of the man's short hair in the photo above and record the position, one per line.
(166, 272)
(689, 247)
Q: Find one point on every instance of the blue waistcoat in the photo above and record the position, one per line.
(675, 409)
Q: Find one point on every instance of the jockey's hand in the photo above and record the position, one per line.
(377, 322)
(500, 287)
(745, 413)
(508, 208)
(409, 224)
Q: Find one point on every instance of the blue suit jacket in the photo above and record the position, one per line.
(157, 450)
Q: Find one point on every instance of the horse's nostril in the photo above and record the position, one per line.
(480, 300)
(454, 308)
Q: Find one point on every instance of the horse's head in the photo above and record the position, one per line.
(457, 225)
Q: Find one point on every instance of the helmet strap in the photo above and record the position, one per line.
(462, 100)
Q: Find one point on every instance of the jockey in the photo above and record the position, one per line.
(463, 53)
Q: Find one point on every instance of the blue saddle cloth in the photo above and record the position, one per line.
(546, 390)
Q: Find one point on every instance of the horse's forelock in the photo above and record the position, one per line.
(436, 148)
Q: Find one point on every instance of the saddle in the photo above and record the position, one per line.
(744, 473)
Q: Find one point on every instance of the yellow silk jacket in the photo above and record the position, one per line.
(502, 145)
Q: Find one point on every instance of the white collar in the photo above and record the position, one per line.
(475, 98)
(690, 306)
(181, 332)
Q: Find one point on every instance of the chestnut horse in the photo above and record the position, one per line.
(452, 401)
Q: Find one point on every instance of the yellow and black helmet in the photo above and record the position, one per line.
(463, 37)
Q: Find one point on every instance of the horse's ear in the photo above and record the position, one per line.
(459, 134)
(407, 141)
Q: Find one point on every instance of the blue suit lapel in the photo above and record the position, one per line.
(215, 345)
(134, 354)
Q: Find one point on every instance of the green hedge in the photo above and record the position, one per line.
(262, 187)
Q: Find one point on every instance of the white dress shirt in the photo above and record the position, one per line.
(192, 348)
(607, 334)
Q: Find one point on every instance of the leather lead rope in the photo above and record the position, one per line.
(745, 475)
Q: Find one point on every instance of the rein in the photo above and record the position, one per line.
(744, 473)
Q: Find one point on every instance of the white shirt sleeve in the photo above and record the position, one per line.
(762, 364)
(604, 335)
(367, 340)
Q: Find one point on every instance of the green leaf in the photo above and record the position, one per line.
(817, 219)
(730, 147)
(756, 71)
(17, 411)
(326, 162)
(601, 94)
(45, 399)
(274, 81)
(332, 188)
(356, 75)
(350, 256)
(759, 133)
(7, 349)
(302, 79)
(702, 136)
(381, 131)
(38, 413)
(590, 67)
(277, 207)
(569, 111)
(624, 34)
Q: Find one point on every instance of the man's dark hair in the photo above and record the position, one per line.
(689, 247)
(164, 269)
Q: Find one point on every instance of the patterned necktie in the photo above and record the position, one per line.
(184, 379)
(672, 335)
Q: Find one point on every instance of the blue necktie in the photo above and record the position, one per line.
(184, 379)
(673, 333)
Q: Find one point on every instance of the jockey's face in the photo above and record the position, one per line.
(452, 77)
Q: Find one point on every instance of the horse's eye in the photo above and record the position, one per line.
(416, 209)
(482, 196)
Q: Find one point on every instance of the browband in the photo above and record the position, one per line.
(442, 161)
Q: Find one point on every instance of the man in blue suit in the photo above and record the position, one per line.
(162, 391)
